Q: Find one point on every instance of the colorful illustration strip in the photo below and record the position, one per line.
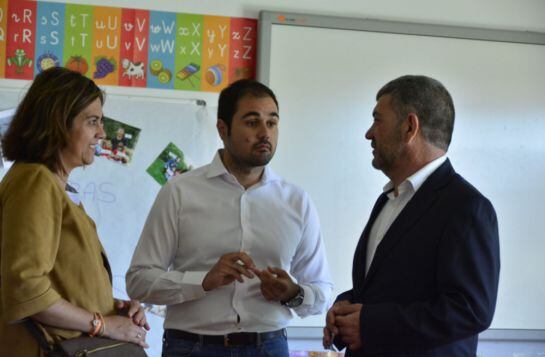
(134, 44)
(188, 58)
(49, 36)
(78, 38)
(126, 47)
(242, 49)
(215, 52)
(3, 36)
(106, 45)
(162, 38)
(21, 26)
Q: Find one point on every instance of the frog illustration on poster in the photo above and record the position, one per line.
(20, 40)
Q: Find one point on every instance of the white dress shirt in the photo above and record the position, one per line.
(205, 213)
(395, 204)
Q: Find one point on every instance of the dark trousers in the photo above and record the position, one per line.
(177, 346)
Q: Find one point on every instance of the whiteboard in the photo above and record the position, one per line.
(119, 197)
(326, 80)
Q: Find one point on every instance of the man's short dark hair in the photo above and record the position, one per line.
(231, 95)
(429, 100)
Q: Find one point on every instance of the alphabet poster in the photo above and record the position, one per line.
(126, 47)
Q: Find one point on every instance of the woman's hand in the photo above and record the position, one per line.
(133, 310)
(122, 328)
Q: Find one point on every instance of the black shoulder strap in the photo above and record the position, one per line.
(32, 327)
(107, 266)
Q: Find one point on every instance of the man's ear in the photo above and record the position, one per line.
(222, 129)
(412, 127)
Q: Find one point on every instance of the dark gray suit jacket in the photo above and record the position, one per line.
(433, 282)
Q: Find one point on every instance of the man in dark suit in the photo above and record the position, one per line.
(426, 268)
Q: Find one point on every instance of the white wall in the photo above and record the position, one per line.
(521, 15)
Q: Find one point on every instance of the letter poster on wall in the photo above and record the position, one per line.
(126, 47)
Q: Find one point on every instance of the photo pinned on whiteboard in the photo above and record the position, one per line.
(170, 163)
(119, 143)
(5, 119)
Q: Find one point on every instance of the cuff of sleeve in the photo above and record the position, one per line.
(28, 308)
(347, 295)
(194, 277)
(192, 281)
(309, 298)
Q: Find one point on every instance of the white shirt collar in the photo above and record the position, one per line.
(418, 178)
(217, 168)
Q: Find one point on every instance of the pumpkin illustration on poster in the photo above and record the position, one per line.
(78, 64)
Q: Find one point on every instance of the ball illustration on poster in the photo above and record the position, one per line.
(214, 75)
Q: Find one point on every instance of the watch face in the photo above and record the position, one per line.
(297, 299)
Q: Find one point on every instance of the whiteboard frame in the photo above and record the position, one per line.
(269, 18)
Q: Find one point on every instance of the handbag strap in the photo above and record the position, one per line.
(32, 327)
(107, 266)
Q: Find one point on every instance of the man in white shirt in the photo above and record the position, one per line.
(231, 248)
(426, 268)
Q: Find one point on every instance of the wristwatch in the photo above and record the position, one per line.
(296, 300)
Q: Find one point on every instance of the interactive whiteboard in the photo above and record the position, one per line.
(326, 72)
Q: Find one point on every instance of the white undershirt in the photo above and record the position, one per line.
(395, 205)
